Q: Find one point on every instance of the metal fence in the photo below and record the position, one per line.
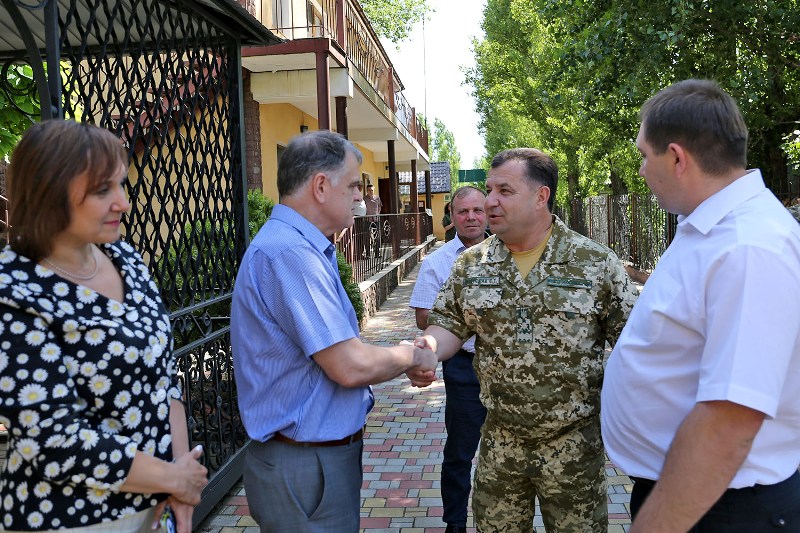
(633, 225)
(373, 242)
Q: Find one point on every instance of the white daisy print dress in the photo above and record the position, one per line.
(85, 382)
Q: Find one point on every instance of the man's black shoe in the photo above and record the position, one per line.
(455, 529)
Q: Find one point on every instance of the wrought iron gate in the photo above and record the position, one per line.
(166, 77)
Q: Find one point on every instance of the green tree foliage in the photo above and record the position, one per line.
(350, 286)
(569, 76)
(792, 147)
(17, 106)
(394, 19)
(443, 148)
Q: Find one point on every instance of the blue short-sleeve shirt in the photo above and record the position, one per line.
(289, 304)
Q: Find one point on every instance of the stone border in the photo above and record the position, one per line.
(376, 289)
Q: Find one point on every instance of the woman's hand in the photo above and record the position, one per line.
(192, 477)
(182, 511)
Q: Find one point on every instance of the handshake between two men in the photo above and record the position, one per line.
(434, 345)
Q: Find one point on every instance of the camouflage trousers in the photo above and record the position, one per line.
(566, 473)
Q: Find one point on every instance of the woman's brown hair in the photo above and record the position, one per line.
(48, 158)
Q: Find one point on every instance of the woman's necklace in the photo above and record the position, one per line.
(75, 276)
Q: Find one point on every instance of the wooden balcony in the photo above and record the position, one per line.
(344, 23)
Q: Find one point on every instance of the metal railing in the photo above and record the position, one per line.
(363, 47)
(633, 225)
(319, 18)
(164, 77)
(408, 116)
(374, 241)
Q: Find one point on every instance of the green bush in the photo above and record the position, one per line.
(259, 209)
(350, 286)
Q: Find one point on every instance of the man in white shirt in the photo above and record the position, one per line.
(464, 413)
(700, 398)
(373, 206)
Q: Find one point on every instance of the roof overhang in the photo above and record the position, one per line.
(18, 23)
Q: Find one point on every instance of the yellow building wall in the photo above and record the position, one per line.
(437, 203)
(374, 170)
(279, 123)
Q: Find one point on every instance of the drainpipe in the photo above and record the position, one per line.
(323, 91)
(414, 196)
(394, 200)
(428, 198)
(341, 115)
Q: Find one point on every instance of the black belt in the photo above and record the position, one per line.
(355, 437)
(734, 494)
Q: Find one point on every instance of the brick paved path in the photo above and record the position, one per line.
(403, 450)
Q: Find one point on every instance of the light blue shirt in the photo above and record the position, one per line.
(289, 304)
(433, 272)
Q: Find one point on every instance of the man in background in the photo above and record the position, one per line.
(373, 201)
(374, 206)
(464, 413)
(302, 373)
(700, 401)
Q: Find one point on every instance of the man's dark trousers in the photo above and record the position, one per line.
(463, 417)
(758, 509)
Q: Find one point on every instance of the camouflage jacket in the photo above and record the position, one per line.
(541, 340)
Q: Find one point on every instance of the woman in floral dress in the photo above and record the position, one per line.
(97, 432)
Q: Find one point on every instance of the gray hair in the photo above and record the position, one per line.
(463, 191)
(310, 153)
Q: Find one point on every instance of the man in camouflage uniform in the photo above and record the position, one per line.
(543, 301)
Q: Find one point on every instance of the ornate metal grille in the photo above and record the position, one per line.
(165, 76)
(374, 241)
(633, 225)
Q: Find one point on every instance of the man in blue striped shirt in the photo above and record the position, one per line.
(302, 372)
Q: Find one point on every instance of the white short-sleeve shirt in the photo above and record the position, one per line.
(433, 272)
(719, 319)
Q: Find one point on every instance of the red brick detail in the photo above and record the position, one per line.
(236, 500)
(375, 522)
(252, 134)
(3, 177)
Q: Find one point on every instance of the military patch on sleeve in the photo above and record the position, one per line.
(572, 283)
(482, 281)
(524, 325)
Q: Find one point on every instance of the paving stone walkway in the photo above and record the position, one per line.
(403, 447)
